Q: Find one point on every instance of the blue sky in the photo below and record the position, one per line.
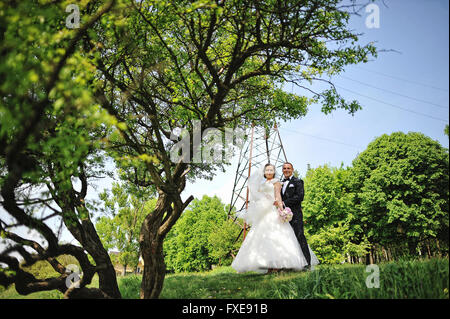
(417, 71)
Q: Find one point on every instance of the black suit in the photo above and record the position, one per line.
(293, 198)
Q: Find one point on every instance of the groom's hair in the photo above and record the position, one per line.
(274, 169)
(289, 164)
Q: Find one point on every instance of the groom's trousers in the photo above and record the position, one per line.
(297, 225)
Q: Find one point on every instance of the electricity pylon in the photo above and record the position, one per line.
(263, 146)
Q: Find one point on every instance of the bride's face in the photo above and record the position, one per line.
(269, 172)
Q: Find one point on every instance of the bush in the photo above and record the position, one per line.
(223, 242)
(201, 237)
(332, 244)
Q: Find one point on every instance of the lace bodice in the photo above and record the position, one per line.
(267, 188)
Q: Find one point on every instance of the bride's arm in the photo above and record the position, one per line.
(277, 189)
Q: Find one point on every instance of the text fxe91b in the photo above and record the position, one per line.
(230, 308)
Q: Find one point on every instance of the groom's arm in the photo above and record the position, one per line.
(298, 196)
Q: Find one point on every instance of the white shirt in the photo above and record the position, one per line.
(285, 184)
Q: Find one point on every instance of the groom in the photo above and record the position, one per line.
(292, 195)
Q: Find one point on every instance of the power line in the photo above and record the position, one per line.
(402, 79)
(321, 138)
(399, 94)
(393, 105)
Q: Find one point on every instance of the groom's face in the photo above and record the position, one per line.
(287, 170)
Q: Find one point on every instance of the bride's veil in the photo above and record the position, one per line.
(258, 202)
(254, 182)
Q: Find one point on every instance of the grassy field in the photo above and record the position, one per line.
(402, 279)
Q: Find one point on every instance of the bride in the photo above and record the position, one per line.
(270, 243)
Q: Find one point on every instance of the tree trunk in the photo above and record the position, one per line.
(124, 271)
(151, 244)
(368, 259)
(412, 246)
(375, 255)
(107, 278)
(154, 271)
(428, 249)
(86, 234)
(154, 229)
(439, 248)
(88, 237)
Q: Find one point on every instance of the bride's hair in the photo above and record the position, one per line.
(274, 170)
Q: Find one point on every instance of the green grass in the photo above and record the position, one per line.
(402, 279)
(11, 293)
(406, 279)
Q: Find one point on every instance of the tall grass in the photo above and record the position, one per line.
(129, 286)
(404, 279)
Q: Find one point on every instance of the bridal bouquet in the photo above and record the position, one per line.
(285, 214)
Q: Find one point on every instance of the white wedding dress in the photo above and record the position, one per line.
(270, 243)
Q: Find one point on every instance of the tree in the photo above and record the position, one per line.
(188, 246)
(327, 200)
(50, 131)
(119, 228)
(328, 207)
(401, 190)
(446, 130)
(164, 65)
